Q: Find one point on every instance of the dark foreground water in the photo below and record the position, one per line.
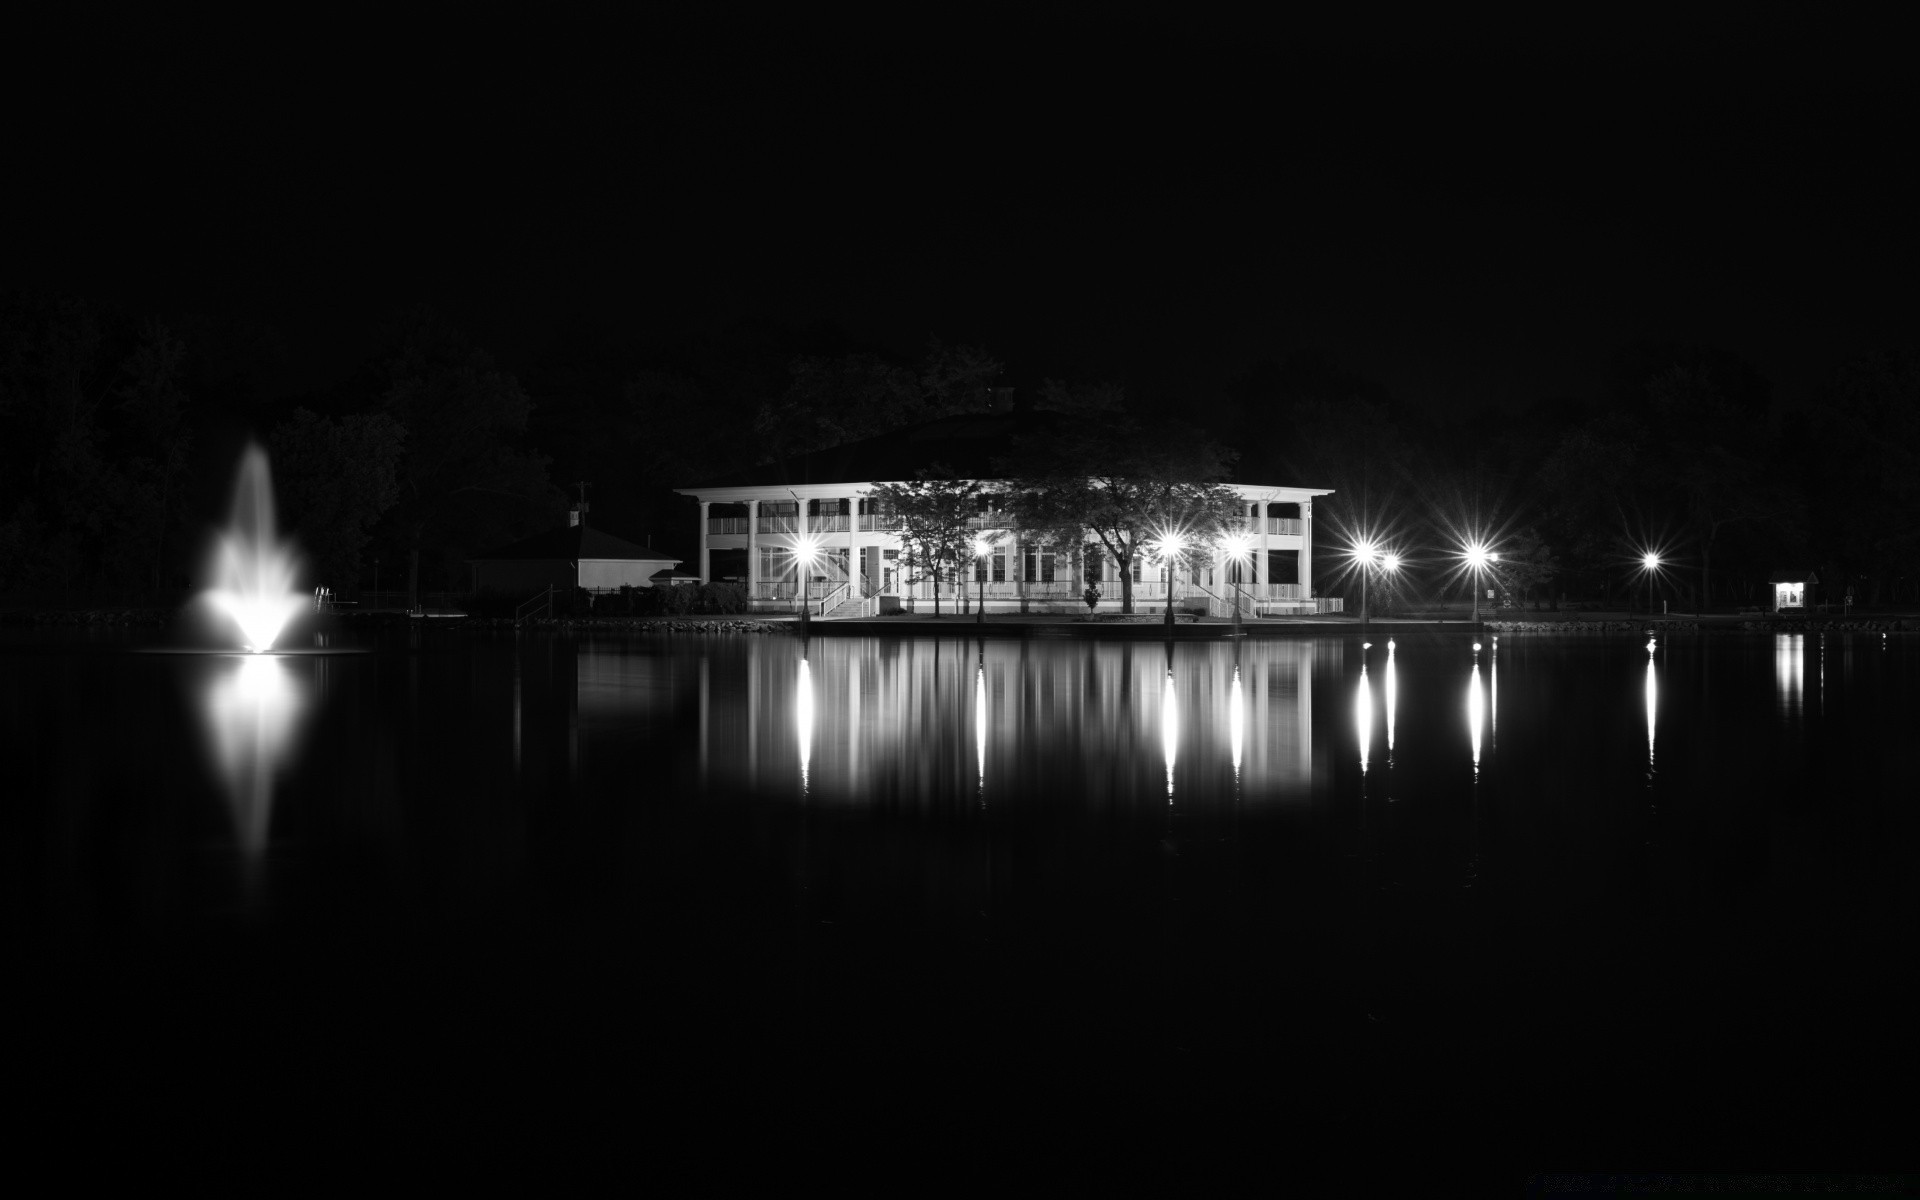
(742, 908)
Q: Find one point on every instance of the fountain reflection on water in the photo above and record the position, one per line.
(251, 710)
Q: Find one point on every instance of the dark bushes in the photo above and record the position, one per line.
(672, 600)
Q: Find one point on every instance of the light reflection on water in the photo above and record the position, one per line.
(252, 706)
(1363, 712)
(1789, 671)
(1653, 704)
(979, 724)
(1169, 728)
(1392, 697)
(863, 720)
(1476, 711)
(803, 720)
(1237, 720)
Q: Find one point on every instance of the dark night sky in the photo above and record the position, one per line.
(1473, 215)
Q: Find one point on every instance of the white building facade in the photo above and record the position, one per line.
(859, 568)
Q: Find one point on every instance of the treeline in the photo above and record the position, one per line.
(119, 432)
(1685, 456)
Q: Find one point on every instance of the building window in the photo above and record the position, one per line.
(999, 568)
(1095, 558)
(776, 563)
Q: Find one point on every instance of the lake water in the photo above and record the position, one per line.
(1562, 902)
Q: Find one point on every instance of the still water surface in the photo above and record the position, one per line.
(1552, 895)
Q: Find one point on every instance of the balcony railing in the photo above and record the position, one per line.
(727, 524)
(1285, 526)
(878, 522)
(779, 523)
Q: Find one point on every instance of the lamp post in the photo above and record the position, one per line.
(1478, 556)
(1365, 553)
(1170, 544)
(981, 548)
(805, 550)
(1237, 546)
(1650, 564)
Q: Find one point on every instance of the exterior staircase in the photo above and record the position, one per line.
(854, 607)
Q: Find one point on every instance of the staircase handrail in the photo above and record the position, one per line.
(832, 597)
(541, 600)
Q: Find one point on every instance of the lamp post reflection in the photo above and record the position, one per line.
(980, 724)
(1392, 698)
(1169, 727)
(1653, 705)
(1476, 709)
(803, 722)
(1236, 722)
(1363, 709)
(251, 712)
(1493, 693)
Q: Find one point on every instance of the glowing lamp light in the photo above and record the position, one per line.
(1236, 545)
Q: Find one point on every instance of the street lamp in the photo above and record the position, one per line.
(805, 551)
(981, 548)
(1366, 553)
(1478, 558)
(1170, 546)
(1370, 558)
(1649, 564)
(1237, 546)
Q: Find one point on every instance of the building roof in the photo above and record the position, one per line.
(572, 544)
(969, 444)
(1793, 577)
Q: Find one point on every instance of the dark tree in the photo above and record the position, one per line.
(1128, 481)
(933, 515)
(335, 478)
(467, 481)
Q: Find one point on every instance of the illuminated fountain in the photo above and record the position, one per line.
(252, 705)
(252, 569)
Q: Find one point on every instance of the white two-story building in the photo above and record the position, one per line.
(750, 526)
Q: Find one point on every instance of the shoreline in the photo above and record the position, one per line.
(1024, 625)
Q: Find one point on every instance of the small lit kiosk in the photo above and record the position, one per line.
(1792, 590)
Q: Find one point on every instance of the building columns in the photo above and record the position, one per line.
(753, 552)
(706, 532)
(1306, 550)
